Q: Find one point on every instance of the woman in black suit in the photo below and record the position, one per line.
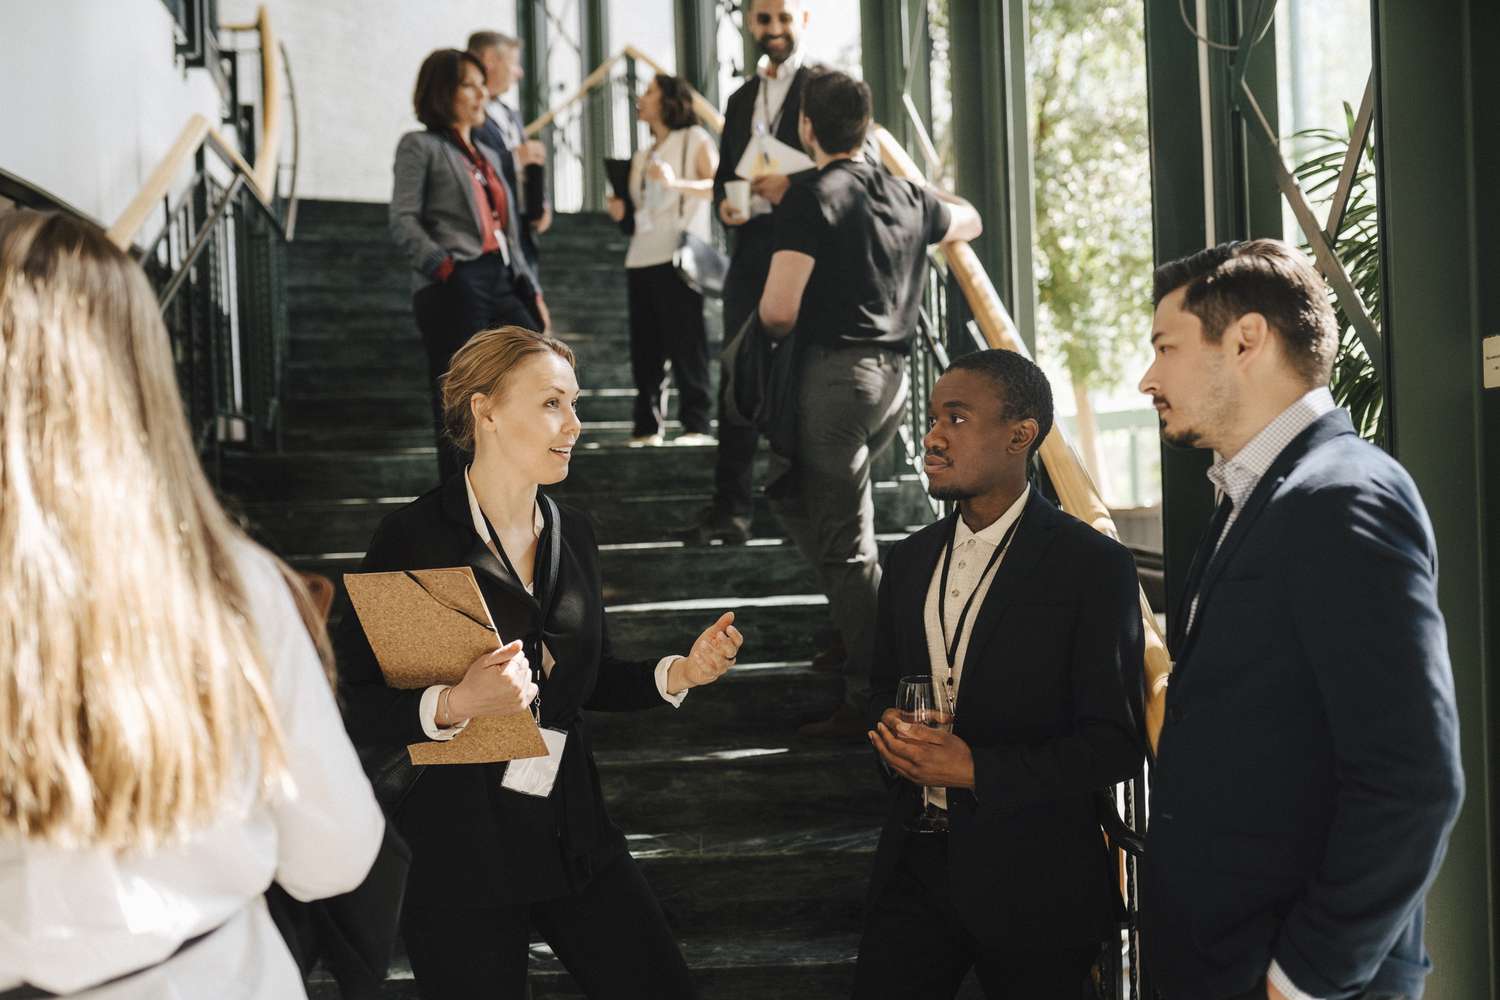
(491, 863)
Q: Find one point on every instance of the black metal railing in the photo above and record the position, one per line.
(219, 268)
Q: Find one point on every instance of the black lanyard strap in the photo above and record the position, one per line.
(950, 647)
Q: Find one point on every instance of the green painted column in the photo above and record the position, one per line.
(1208, 185)
(992, 148)
(531, 27)
(1437, 164)
(598, 120)
(887, 31)
(697, 35)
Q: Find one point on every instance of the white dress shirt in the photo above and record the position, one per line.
(769, 98)
(971, 554)
(73, 918)
(1236, 477)
(427, 709)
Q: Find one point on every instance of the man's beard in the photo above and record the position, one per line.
(952, 494)
(784, 55)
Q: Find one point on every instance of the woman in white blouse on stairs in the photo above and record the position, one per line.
(169, 742)
(671, 185)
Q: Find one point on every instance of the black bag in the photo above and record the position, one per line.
(353, 935)
(762, 379)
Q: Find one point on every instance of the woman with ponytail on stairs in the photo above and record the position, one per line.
(500, 851)
(169, 741)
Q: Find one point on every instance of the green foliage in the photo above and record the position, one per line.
(1354, 382)
(1086, 67)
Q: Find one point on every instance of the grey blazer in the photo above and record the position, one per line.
(433, 215)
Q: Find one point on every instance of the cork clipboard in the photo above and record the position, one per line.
(426, 626)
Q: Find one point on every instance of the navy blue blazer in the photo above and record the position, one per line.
(490, 135)
(1308, 771)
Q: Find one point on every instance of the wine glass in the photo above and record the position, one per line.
(921, 702)
(915, 699)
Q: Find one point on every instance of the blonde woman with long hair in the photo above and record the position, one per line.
(169, 743)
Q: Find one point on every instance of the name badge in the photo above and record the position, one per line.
(536, 775)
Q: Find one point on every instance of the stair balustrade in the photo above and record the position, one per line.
(217, 255)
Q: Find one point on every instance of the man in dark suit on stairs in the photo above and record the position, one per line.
(1308, 771)
(505, 133)
(1031, 620)
(768, 104)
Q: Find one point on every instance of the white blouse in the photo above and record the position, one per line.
(73, 918)
(661, 215)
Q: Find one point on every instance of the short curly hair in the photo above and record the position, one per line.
(1024, 389)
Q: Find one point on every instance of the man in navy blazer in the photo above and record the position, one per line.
(1308, 771)
(505, 133)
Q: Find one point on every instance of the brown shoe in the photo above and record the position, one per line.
(844, 725)
(831, 660)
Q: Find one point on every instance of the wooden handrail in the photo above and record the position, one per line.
(195, 134)
(268, 150)
(260, 179)
(1075, 489)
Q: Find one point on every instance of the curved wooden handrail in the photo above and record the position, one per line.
(260, 179)
(195, 134)
(1075, 488)
(268, 150)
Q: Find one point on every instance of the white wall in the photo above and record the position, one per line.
(93, 97)
(354, 63)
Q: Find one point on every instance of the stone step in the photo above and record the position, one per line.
(724, 795)
(784, 629)
(756, 705)
(308, 528)
(411, 472)
(667, 571)
(759, 964)
(408, 373)
(342, 404)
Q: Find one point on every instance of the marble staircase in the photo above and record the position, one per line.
(758, 844)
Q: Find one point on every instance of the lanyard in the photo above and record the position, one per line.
(950, 648)
(531, 643)
(772, 124)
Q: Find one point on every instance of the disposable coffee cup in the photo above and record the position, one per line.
(737, 193)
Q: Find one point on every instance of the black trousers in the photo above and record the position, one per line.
(612, 938)
(734, 467)
(915, 948)
(478, 295)
(666, 324)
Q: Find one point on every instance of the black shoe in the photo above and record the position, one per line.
(713, 525)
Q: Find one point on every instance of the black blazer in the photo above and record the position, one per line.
(739, 112)
(1050, 706)
(490, 135)
(1308, 771)
(466, 833)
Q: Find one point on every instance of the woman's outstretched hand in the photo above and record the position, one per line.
(712, 655)
(497, 683)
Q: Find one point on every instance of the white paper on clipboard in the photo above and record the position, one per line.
(767, 154)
